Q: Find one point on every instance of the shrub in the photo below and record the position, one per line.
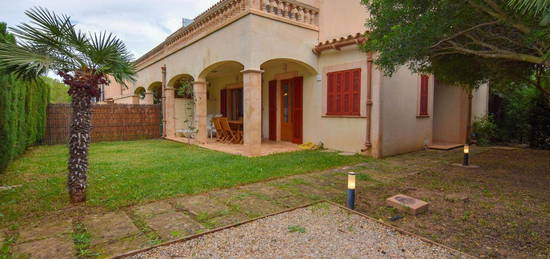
(22, 116)
(539, 118)
(484, 130)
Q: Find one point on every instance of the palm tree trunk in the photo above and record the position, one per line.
(78, 144)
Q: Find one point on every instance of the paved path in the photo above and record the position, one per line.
(112, 233)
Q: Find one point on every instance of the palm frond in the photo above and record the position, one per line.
(51, 42)
(534, 7)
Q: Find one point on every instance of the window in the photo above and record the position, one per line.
(231, 102)
(344, 92)
(424, 82)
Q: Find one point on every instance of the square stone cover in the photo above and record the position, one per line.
(407, 204)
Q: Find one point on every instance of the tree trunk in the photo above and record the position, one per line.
(78, 144)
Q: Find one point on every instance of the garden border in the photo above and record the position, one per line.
(401, 231)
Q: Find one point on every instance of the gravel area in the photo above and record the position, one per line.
(319, 231)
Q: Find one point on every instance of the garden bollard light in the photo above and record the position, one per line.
(351, 190)
(466, 155)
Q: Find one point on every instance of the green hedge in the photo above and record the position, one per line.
(22, 116)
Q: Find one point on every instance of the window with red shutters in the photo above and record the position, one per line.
(424, 81)
(344, 92)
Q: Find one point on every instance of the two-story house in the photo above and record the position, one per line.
(292, 71)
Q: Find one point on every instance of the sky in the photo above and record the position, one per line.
(141, 24)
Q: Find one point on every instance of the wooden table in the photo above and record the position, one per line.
(236, 124)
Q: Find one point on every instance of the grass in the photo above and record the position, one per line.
(81, 239)
(128, 173)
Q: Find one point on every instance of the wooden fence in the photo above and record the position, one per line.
(110, 122)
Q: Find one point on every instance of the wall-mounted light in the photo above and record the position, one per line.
(351, 190)
(466, 155)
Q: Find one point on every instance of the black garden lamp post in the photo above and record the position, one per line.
(351, 190)
(466, 155)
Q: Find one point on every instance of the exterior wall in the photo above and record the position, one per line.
(450, 114)
(350, 18)
(182, 112)
(336, 132)
(403, 131)
(480, 103)
(251, 41)
(129, 99)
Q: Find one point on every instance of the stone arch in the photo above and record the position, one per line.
(140, 91)
(309, 69)
(219, 66)
(156, 89)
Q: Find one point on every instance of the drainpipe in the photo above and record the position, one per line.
(368, 143)
(163, 106)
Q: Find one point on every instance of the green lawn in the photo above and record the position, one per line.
(127, 173)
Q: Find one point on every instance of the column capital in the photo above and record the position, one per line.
(252, 70)
(199, 82)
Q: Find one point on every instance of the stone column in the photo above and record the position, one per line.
(135, 99)
(252, 81)
(201, 109)
(170, 112)
(149, 99)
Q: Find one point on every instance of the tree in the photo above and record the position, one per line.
(533, 7)
(414, 33)
(51, 42)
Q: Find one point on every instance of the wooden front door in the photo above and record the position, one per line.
(287, 105)
(291, 110)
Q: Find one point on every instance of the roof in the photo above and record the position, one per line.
(337, 43)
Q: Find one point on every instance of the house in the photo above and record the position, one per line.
(293, 72)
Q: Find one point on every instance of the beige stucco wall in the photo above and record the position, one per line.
(402, 130)
(450, 114)
(480, 102)
(182, 112)
(340, 133)
(251, 41)
(339, 18)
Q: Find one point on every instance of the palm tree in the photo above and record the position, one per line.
(51, 43)
(533, 8)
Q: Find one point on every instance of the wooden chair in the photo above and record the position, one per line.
(234, 136)
(221, 134)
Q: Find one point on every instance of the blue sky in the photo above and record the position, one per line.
(140, 24)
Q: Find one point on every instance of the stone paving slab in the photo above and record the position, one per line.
(225, 195)
(151, 209)
(110, 226)
(44, 230)
(122, 246)
(225, 220)
(255, 207)
(173, 225)
(53, 247)
(204, 206)
(268, 191)
(292, 201)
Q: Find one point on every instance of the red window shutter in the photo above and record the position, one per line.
(344, 92)
(331, 98)
(424, 79)
(273, 110)
(338, 105)
(298, 110)
(356, 92)
(223, 102)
